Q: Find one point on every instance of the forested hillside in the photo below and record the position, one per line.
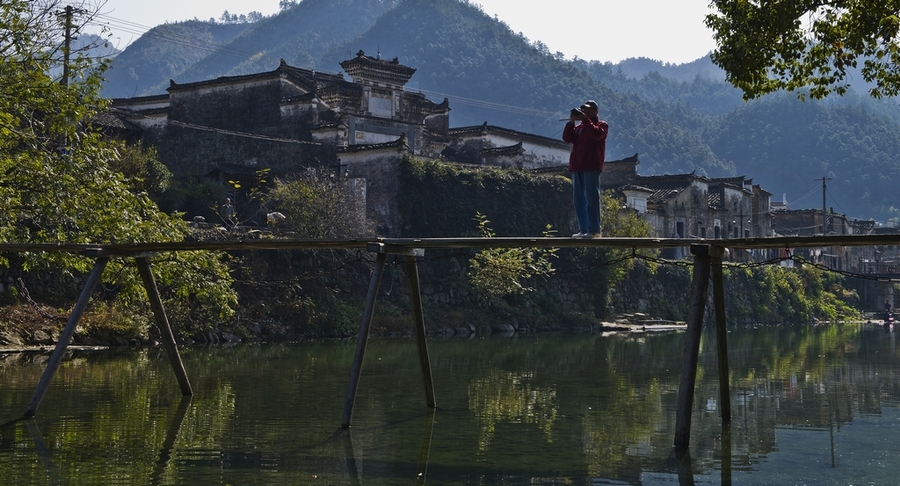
(198, 50)
(163, 53)
(791, 144)
(677, 118)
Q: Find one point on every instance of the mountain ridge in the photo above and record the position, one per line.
(678, 118)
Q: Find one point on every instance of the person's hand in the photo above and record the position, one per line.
(575, 115)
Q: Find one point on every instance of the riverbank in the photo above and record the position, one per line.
(37, 327)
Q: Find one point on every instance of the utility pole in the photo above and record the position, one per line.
(823, 179)
(67, 46)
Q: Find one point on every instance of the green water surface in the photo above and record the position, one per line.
(810, 405)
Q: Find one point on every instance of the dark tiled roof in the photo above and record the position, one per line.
(140, 99)
(335, 124)
(761, 190)
(508, 150)
(665, 187)
(114, 118)
(736, 180)
(661, 196)
(304, 97)
(485, 128)
(374, 68)
(306, 78)
(399, 143)
(634, 187)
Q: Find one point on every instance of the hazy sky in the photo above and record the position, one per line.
(603, 30)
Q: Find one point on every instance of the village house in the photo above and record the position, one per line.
(228, 128)
(284, 118)
(692, 206)
(501, 147)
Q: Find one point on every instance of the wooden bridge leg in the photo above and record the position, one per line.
(690, 358)
(721, 332)
(425, 447)
(363, 338)
(162, 322)
(415, 297)
(66, 336)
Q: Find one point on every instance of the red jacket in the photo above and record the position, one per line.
(588, 141)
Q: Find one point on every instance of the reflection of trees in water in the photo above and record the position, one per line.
(807, 377)
(137, 414)
(622, 424)
(605, 404)
(503, 396)
(208, 420)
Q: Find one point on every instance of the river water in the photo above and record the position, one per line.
(810, 405)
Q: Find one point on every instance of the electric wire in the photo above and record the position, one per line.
(239, 134)
(194, 42)
(167, 35)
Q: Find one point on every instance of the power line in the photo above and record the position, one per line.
(239, 134)
(494, 106)
(160, 33)
(812, 191)
(193, 42)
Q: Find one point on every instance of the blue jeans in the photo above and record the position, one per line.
(586, 198)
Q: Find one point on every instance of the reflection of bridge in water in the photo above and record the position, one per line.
(708, 257)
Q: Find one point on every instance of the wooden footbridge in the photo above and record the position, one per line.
(707, 258)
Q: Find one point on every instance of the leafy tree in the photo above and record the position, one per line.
(767, 46)
(142, 170)
(497, 272)
(316, 204)
(59, 183)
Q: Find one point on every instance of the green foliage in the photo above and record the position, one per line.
(523, 203)
(341, 319)
(775, 295)
(193, 197)
(319, 205)
(59, 184)
(497, 272)
(107, 323)
(520, 201)
(142, 169)
(788, 45)
(624, 223)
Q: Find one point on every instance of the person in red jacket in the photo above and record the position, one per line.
(588, 139)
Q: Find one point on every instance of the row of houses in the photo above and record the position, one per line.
(229, 127)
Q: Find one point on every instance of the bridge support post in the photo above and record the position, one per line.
(66, 336)
(419, 322)
(690, 357)
(363, 338)
(415, 297)
(162, 323)
(716, 253)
